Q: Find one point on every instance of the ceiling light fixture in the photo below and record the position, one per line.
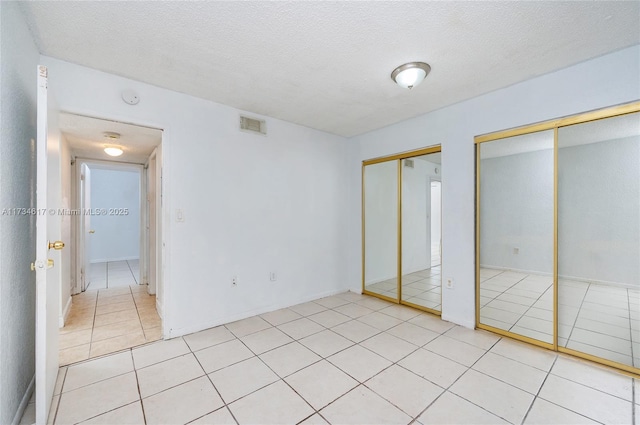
(410, 74)
(113, 151)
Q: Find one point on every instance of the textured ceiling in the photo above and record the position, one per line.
(326, 65)
(86, 138)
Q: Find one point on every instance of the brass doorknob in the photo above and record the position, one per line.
(57, 245)
(92, 231)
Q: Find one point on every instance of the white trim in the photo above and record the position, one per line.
(560, 276)
(24, 402)
(159, 308)
(470, 324)
(173, 333)
(65, 313)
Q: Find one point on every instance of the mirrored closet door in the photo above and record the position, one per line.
(516, 234)
(421, 231)
(380, 229)
(558, 235)
(402, 242)
(599, 238)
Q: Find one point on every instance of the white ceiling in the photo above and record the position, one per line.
(86, 138)
(327, 65)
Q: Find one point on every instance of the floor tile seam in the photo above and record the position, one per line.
(595, 346)
(214, 411)
(605, 334)
(112, 337)
(578, 317)
(554, 353)
(571, 410)
(166, 360)
(97, 382)
(278, 379)
(144, 413)
(364, 383)
(113, 409)
(448, 389)
(536, 395)
(592, 387)
(457, 340)
(55, 414)
(224, 404)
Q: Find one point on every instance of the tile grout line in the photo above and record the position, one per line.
(447, 389)
(535, 396)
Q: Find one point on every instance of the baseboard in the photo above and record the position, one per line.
(511, 269)
(65, 313)
(24, 402)
(562, 276)
(174, 333)
(108, 260)
(470, 324)
(159, 308)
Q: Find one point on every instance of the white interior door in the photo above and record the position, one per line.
(85, 226)
(47, 296)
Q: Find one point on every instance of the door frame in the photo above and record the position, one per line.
(76, 228)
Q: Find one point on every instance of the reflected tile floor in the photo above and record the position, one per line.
(422, 288)
(341, 360)
(602, 320)
(108, 320)
(114, 274)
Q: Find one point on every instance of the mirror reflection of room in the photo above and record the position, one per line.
(599, 238)
(421, 231)
(516, 210)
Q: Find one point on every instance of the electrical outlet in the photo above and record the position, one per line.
(449, 283)
(273, 276)
(234, 280)
(516, 250)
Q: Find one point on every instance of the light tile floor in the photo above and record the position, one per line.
(313, 363)
(108, 320)
(601, 320)
(114, 274)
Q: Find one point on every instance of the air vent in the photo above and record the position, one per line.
(253, 125)
(408, 163)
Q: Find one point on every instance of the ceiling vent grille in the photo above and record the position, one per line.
(408, 163)
(252, 125)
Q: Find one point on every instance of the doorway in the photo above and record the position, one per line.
(113, 284)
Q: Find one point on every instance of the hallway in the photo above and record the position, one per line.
(108, 320)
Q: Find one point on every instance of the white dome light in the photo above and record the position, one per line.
(410, 74)
(113, 151)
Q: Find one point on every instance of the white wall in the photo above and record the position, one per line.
(599, 211)
(117, 237)
(252, 204)
(18, 62)
(516, 211)
(604, 81)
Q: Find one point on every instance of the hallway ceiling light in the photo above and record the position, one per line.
(410, 74)
(113, 151)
